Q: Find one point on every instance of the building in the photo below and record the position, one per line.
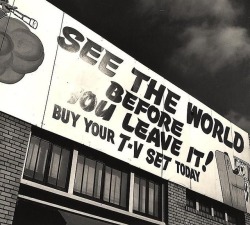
(91, 136)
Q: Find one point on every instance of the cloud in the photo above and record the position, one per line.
(212, 48)
(206, 51)
(207, 48)
(239, 120)
(222, 10)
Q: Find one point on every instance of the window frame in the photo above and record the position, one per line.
(101, 199)
(77, 149)
(160, 196)
(205, 203)
(47, 164)
(219, 209)
(230, 215)
(191, 197)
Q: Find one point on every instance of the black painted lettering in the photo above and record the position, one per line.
(238, 142)
(88, 101)
(88, 124)
(74, 45)
(142, 106)
(165, 142)
(154, 136)
(158, 160)
(111, 135)
(65, 115)
(176, 127)
(218, 130)
(103, 132)
(175, 147)
(153, 114)
(129, 101)
(95, 129)
(171, 102)
(167, 160)
(125, 123)
(107, 113)
(206, 123)
(166, 120)
(150, 156)
(138, 80)
(152, 91)
(137, 149)
(226, 135)
(115, 92)
(141, 129)
(124, 138)
(106, 61)
(75, 118)
(57, 112)
(90, 49)
(193, 115)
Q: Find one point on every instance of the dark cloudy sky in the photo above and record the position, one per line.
(202, 46)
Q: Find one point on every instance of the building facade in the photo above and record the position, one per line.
(56, 194)
(91, 136)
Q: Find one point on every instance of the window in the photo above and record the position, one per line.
(47, 163)
(219, 211)
(115, 186)
(231, 218)
(88, 178)
(235, 216)
(147, 198)
(205, 205)
(191, 199)
(97, 180)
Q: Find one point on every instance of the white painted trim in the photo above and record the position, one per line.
(70, 210)
(197, 206)
(212, 211)
(131, 192)
(26, 154)
(73, 172)
(91, 202)
(226, 217)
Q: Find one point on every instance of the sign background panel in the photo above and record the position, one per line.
(26, 99)
(91, 92)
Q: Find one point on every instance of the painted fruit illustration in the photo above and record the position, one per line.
(21, 51)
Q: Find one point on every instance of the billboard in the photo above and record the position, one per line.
(67, 79)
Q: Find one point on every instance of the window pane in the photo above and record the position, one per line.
(219, 213)
(115, 187)
(88, 177)
(232, 216)
(156, 201)
(54, 165)
(79, 173)
(41, 160)
(142, 195)
(136, 194)
(124, 189)
(205, 205)
(31, 157)
(151, 198)
(63, 170)
(107, 184)
(147, 197)
(98, 180)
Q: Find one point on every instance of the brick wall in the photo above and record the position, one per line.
(247, 219)
(178, 213)
(14, 135)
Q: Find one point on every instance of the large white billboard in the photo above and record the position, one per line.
(82, 87)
